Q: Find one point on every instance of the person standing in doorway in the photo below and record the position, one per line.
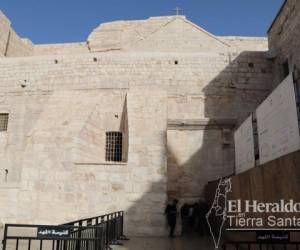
(171, 213)
(184, 212)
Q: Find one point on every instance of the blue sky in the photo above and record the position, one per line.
(56, 21)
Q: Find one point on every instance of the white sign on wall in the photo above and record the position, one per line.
(277, 123)
(244, 147)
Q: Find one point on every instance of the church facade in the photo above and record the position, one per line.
(141, 112)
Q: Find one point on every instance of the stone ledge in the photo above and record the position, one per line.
(101, 163)
(8, 185)
(190, 124)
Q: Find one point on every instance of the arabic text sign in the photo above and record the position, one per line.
(53, 232)
(244, 147)
(273, 236)
(277, 123)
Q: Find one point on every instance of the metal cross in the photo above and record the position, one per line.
(177, 10)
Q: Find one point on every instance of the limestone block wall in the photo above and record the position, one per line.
(203, 158)
(166, 34)
(228, 87)
(246, 43)
(90, 143)
(180, 34)
(147, 116)
(59, 106)
(54, 188)
(284, 42)
(11, 44)
(157, 34)
(49, 171)
(199, 85)
(13, 141)
(4, 34)
(18, 47)
(60, 49)
(218, 85)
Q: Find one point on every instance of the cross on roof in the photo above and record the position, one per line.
(178, 10)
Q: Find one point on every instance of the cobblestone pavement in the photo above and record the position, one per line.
(179, 243)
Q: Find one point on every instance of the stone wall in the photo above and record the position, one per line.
(90, 144)
(165, 34)
(57, 188)
(5, 28)
(157, 34)
(246, 43)
(60, 49)
(61, 106)
(18, 47)
(11, 45)
(176, 109)
(284, 40)
(228, 89)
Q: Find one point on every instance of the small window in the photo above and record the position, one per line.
(114, 146)
(3, 122)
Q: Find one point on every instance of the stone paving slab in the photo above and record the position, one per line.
(163, 243)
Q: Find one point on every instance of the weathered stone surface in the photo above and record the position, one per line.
(284, 41)
(10, 43)
(135, 77)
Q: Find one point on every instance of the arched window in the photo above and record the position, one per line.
(114, 141)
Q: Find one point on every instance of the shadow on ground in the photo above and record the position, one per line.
(166, 244)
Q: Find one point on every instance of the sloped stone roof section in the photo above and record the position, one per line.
(157, 34)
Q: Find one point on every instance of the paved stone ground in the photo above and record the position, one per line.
(161, 243)
(164, 243)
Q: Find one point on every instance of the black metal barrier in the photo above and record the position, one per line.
(113, 225)
(95, 233)
(28, 237)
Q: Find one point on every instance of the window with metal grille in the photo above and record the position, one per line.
(113, 146)
(3, 122)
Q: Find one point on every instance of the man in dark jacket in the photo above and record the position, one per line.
(184, 212)
(171, 213)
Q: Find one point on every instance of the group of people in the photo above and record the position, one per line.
(193, 217)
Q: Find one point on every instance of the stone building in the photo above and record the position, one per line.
(141, 111)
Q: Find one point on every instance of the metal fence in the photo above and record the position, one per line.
(95, 233)
(28, 237)
(113, 225)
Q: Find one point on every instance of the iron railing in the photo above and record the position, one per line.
(113, 226)
(95, 233)
(28, 237)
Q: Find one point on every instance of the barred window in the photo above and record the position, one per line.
(113, 146)
(3, 122)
